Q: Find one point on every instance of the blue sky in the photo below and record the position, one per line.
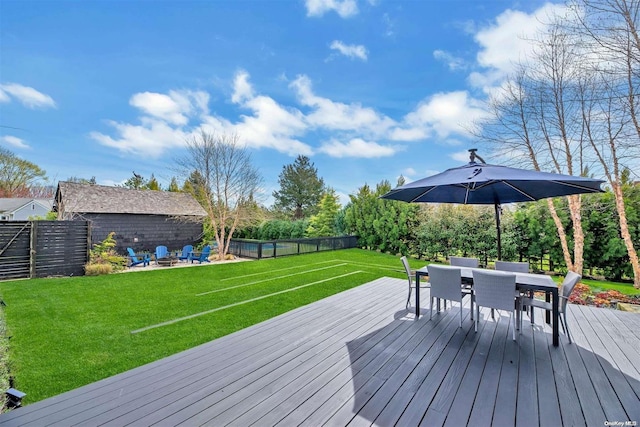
(369, 90)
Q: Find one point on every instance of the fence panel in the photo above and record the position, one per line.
(258, 249)
(31, 249)
(15, 237)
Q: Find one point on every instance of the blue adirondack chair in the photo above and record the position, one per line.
(161, 252)
(204, 255)
(186, 253)
(134, 260)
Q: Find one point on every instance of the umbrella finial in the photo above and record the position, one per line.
(473, 155)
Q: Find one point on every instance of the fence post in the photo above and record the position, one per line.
(33, 241)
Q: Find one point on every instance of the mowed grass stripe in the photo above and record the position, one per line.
(261, 273)
(270, 279)
(171, 322)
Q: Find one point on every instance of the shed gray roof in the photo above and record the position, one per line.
(87, 198)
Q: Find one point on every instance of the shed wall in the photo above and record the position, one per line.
(144, 232)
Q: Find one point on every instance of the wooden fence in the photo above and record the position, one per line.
(259, 249)
(31, 249)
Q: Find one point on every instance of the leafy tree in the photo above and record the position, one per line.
(300, 189)
(323, 224)
(385, 225)
(17, 176)
(173, 185)
(136, 182)
(91, 181)
(153, 184)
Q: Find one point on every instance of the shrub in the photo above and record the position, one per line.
(103, 258)
(97, 269)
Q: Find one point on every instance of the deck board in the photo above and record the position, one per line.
(359, 358)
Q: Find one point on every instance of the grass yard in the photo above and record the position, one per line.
(67, 332)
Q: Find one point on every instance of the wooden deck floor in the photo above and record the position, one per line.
(359, 358)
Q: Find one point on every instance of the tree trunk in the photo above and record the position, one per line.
(626, 236)
(561, 234)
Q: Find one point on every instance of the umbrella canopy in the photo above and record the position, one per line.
(485, 184)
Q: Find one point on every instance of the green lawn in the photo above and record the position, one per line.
(67, 332)
(601, 286)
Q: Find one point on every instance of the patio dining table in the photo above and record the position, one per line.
(524, 282)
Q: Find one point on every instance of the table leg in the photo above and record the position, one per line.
(547, 315)
(555, 318)
(417, 295)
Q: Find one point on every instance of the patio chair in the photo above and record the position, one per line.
(516, 267)
(134, 260)
(459, 261)
(203, 256)
(496, 290)
(411, 277)
(570, 281)
(446, 283)
(161, 252)
(186, 253)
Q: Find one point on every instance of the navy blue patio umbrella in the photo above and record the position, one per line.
(484, 184)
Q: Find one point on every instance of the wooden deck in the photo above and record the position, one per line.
(360, 358)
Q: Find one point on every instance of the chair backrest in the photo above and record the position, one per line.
(161, 252)
(132, 255)
(569, 282)
(205, 253)
(517, 267)
(186, 250)
(446, 282)
(459, 261)
(407, 269)
(494, 289)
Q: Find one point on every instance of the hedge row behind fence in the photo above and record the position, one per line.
(30, 249)
(259, 249)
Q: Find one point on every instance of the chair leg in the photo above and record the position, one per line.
(430, 307)
(460, 314)
(566, 325)
(409, 297)
(493, 315)
(477, 317)
(513, 320)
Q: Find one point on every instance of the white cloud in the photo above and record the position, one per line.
(160, 106)
(508, 41)
(28, 96)
(451, 61)
(175, 108)
(15, 142)
(357, 148)
(338, 116)
(242, 89)
(461, 156)
(344, 8)
(152, 138)
(350, 51)
(443, 114)
(389, 25)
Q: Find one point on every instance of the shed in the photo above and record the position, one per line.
(22, 209)
(141, 219)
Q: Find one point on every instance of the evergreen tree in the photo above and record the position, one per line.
(173, 186)
(300, 189)
(323, 224)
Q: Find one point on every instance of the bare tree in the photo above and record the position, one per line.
(609, 27)
(228, 186)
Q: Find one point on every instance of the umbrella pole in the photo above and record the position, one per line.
(497, 208)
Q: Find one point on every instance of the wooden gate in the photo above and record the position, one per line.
(31, 249)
